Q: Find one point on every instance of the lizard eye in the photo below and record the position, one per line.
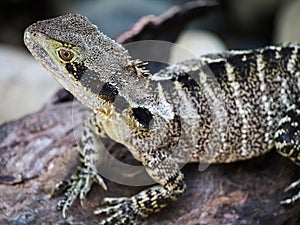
(65, 55)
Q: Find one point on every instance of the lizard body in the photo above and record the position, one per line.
(217, 108)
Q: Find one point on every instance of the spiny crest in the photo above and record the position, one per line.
(139, 67)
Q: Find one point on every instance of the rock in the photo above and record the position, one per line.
(39, 150)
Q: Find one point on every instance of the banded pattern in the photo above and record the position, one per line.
(255, 87)
(287, 136)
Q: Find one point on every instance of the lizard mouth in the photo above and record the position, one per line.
(36, 48)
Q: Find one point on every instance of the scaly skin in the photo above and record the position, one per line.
(217, 108)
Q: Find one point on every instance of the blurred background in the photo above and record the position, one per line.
(25, 86)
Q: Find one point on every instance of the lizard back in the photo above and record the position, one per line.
(230, 104)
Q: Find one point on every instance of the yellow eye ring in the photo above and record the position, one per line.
(66, 55)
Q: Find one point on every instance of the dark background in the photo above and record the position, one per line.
(241, 24)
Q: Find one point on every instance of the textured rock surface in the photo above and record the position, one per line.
(39, 150)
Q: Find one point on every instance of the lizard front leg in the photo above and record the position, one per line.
(80, 182)
(133, 210)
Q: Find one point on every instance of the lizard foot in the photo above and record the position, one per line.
(135, 209)
(295, 197)
(122, 211)
(78, 184)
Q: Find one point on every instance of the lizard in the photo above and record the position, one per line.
(216, 108)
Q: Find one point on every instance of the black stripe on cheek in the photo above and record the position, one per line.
(108, 92)
(76, 69)
(143, 116)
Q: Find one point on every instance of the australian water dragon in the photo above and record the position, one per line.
(217, 108)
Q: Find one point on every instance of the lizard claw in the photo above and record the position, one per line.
(292, 186)
(295, 197)
(79, 184)
(291, 200)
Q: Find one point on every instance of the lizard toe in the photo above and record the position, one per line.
(114, 201)
(124, 211)
(78, 186)
(294, 198)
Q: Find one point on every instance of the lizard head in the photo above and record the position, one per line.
(94, 68)
(83, 60)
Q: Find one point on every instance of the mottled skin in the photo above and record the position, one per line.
(217, 108)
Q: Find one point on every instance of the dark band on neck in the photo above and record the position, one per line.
(143, 116)
(109, 92)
